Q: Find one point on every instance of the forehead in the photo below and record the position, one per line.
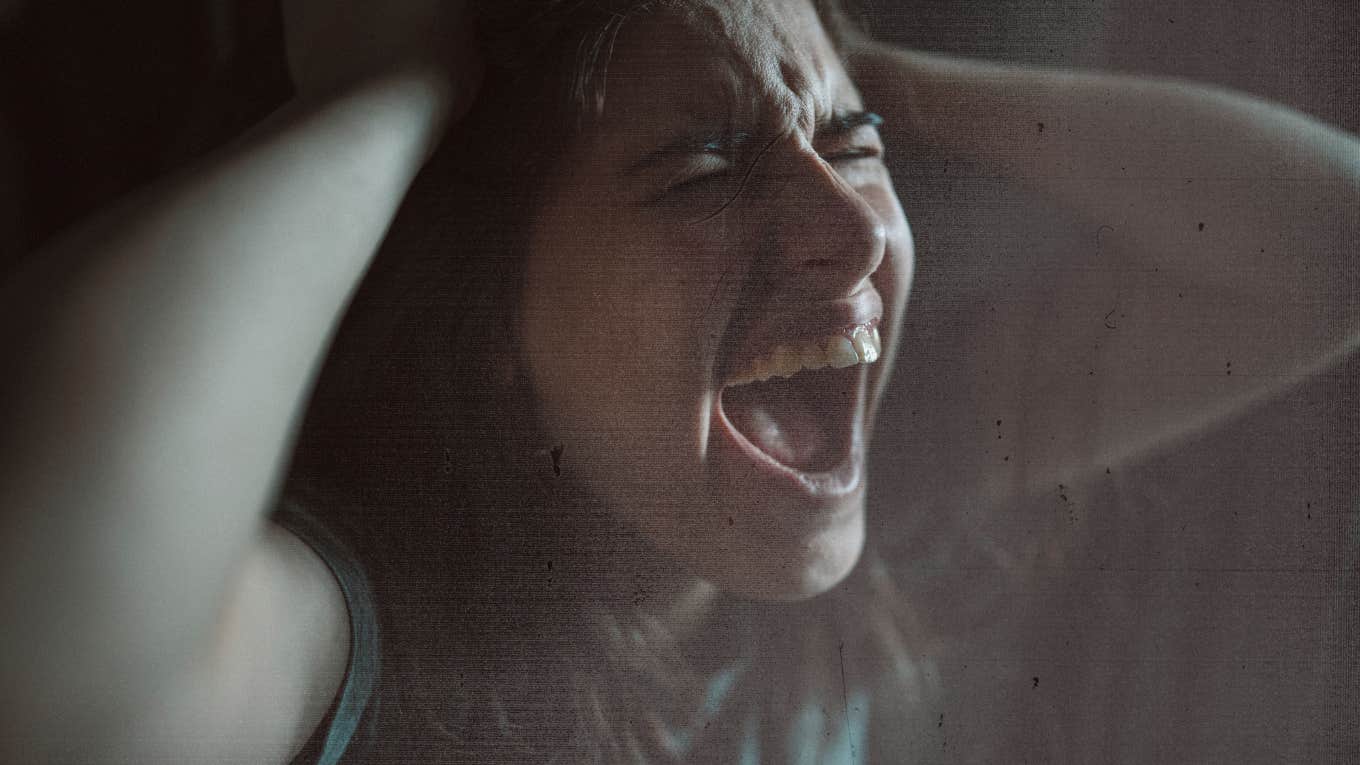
(743, 62)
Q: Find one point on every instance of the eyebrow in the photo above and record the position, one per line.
(839, 123)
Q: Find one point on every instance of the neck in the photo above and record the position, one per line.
(682, 606)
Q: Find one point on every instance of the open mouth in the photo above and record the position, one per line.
(799, 404)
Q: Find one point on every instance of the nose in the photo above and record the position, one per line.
(829, 238)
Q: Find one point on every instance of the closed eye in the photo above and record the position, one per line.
(701, 167)
(848, 137)
(853, 153)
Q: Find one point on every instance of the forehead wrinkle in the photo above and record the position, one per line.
(724, 29)
(771, 80)
(775, 80)
(743, 68)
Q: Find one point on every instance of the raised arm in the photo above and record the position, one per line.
(159, 356)
(1211, 262)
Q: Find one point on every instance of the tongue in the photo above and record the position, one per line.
(800, 421)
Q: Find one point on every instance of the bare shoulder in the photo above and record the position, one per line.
(279, 660)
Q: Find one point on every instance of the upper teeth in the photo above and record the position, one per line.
(861, 345)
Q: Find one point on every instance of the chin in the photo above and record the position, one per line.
(756, 562)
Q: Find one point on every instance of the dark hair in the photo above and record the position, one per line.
(508, 597)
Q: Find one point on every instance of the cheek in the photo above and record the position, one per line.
(619, 331)
(893, 282)
(900, 261)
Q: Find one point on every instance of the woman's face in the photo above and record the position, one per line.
(708, 282)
